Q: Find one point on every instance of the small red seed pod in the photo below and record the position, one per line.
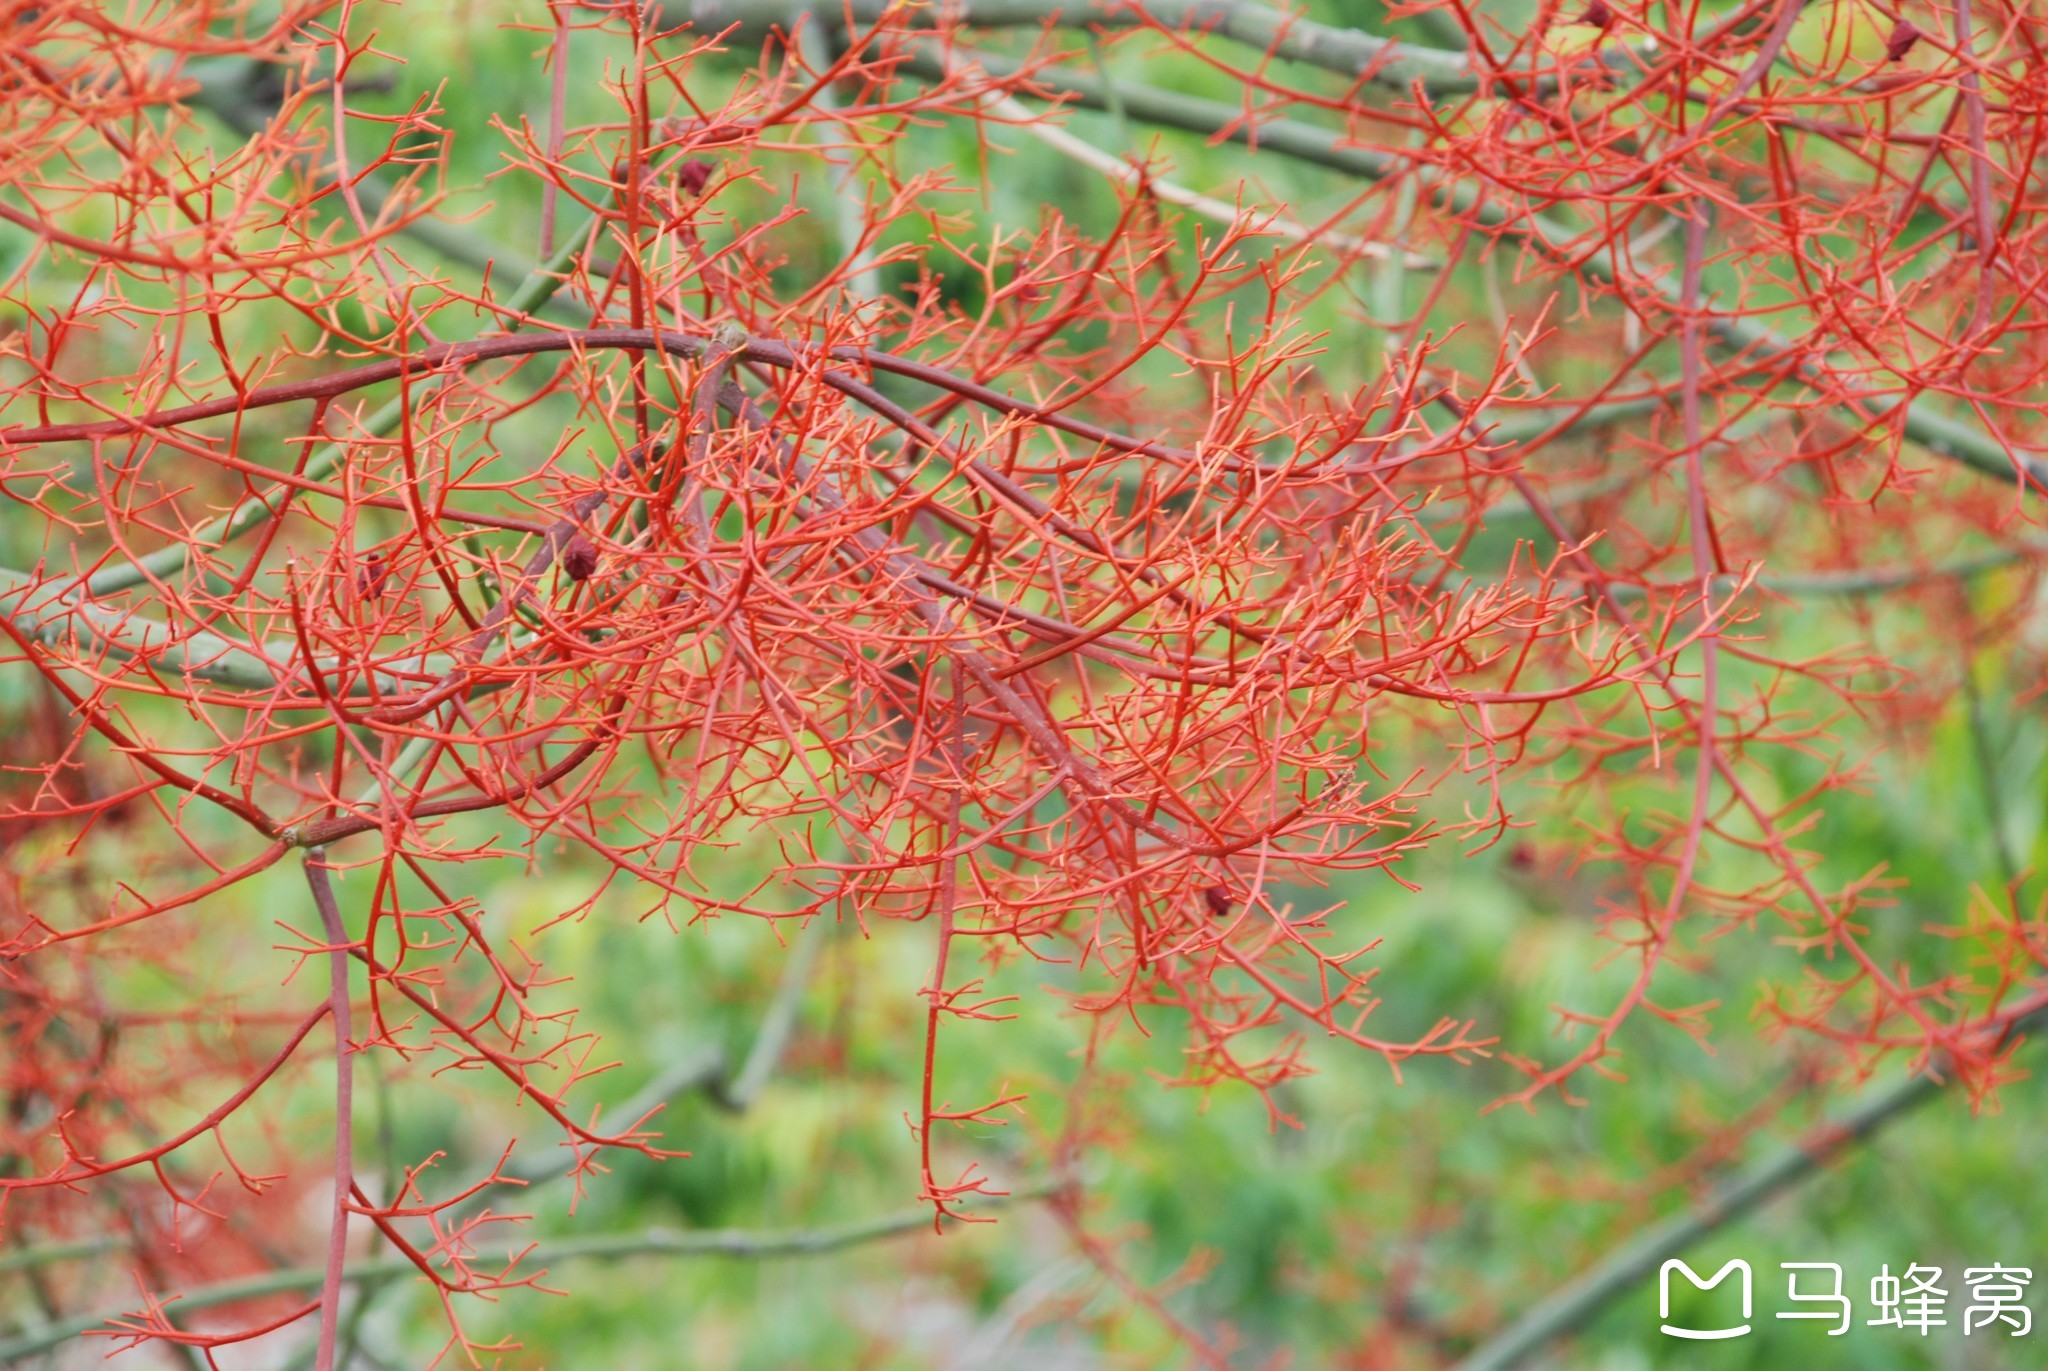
(1220, 903)
(1904, 35)
(692, 176)
(579, 558)
(1598, 15)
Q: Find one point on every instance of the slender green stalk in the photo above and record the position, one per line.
(849, 201)
(731, 1243)
(50, 619)
(1622, 1270)
(778, 1025)
(1386, 62)
(1390, 277)
(539, 286)
(1304, 142)
(229, 91)
(1579, 1300)
(24, 1258)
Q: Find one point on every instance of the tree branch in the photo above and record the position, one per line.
(733, 1243)
(1576, 1303)
(1304, 142)
(1385, 62)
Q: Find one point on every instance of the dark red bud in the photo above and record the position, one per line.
(1904, 35)
(692, 176)
(1598, 15)
(1220, 903)
(579, 558)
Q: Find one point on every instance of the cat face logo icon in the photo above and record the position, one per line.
(1702, 1334)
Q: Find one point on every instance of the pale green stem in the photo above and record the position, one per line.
(532, 293)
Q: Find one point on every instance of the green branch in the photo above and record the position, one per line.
(732, 1243)
(1307, 143)
(1634, 1262)
(240, 96)
(1386, 62)
(535, 289)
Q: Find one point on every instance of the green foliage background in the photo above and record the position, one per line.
(1398, 1222)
